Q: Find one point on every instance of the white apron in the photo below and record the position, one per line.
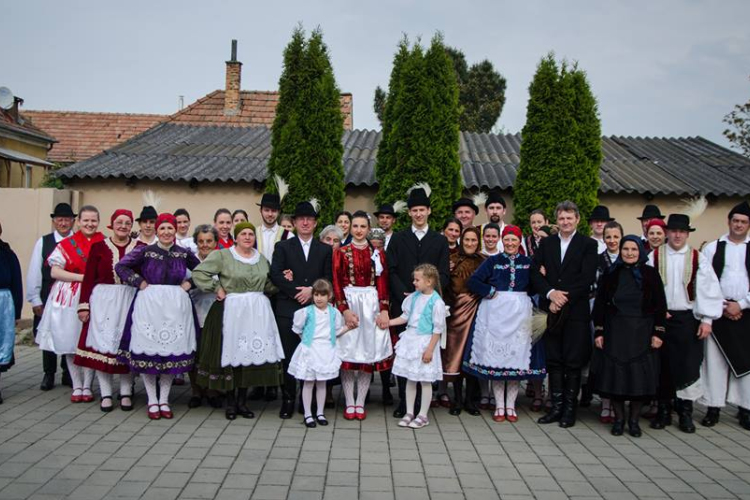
(163, 322)
(249, 334)
(203, 302)
(109, 306)
(60, 327)
(502, 332)
(367, 343)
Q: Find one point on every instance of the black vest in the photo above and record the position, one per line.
(720, 258)
(48, 245)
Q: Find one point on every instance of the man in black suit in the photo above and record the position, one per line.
(308, 260)
(415, 245)
(569, 261)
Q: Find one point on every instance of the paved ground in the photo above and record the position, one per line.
(50, 448)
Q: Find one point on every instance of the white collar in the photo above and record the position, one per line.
(158, 243)
(415, 230)
(245, 260)
(562, 238)
(59, 236)
(612, 256)
(725, 237)
(672, 251)
(303, 242)
(273, 228)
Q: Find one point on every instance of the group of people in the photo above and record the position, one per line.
(643, 320)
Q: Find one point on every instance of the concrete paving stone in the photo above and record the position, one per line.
(409, 479)
(533, 470)
(371, 483)
(129, 489)
(609, 485)
(477, 481)
(579, 489)
(38, 475)
(344, 453)
(203, 475)
(182, 465)
(646, 490)
(378, 458)
(376, 495)
(629, 474)
(240, 481)
(736, 486)
(443, 485)
(118, 464)
(343, 465)
(246, 467)
(308, 483)
(60, 486)
(340, 493)
(285, 453)
(105, 477)
(19, 491)
(161, 493)
(90, 492)
(341, 479)
(619, 495)
(312, 469)
(406, 466)
(172, 479)
(155, 460)
(280, 464)
(512, 487)
(200, 490)
(550, 495)
(304, 495)
(537, 484)
(715, 490)
(275, 477)
(267, 492)
(411, 493)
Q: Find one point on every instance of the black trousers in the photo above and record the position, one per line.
(568, 348)
(289, 341)
(49, 358)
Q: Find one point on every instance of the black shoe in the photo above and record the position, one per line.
(618, 427)
(663, 416)
(125, 407)
(287, 409)
(310, 422)
(634, 429)
(66, 380)
(230, 413)
(570, 399)
(455, 408)
(712, 417)
(556, 387)
(400, 410)
(195, 402)
(745, 419)
(107, 409)
(257, 393)
(686, 417)
(244, 411)
(321, 420)
(48, 382)
(272, 394)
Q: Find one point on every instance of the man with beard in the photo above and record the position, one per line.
(495, 208)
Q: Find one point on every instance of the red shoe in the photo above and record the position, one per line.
(165, 413)
(499, 415)
(606, 416)
(87, 398)
(511, 415)
(350, 413)
(154, 415)
(76, 398)
(360, 415)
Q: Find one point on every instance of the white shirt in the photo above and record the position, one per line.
(269, 237)
(488, 254)
(34, 272)
(387, 240)
(709, 302)
(187, 242)
(419, 233)
(305, 246)
(734, 279)
(600, 245)
(564, 244)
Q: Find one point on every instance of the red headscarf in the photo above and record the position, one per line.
(166, 218)
(657, 222)
(514, 230)
(119, 212)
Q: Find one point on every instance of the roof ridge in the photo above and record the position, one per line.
(90, 112)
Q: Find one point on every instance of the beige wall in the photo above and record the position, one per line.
(24, 214)
(12, 174)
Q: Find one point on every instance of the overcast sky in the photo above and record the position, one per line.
(658, 68)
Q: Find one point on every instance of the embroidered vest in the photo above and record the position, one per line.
(720, 258)
(691, 264)
(308, 332)
(425, 325)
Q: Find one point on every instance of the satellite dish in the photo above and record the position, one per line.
(6, 98)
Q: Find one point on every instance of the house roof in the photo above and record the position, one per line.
(23, 126)
(171, 151)
(258, 108)
(82, 135)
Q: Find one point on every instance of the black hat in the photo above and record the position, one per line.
(679, 222)
(270, 200)
(62, 210)
(385, 209)
(741, 209)
(494, 197)
(418, 197)
(147, 213)
(465, 202)
(305, 209)
(651, 212)
(600, 212)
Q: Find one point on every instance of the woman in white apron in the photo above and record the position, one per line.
(499, 348)
(240, 344)
(360, 287)
(59, 328)
(160, 333)
(103, 309)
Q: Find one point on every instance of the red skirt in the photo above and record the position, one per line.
(91, 358)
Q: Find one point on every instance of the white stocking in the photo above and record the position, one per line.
(307, 390)
(88, 378)
(363, 385)
(165, 385)
(75, 373)
(126, 385)
(411, 396)
(426, 398)
(149, 381)
(511, 394)
(498, 387)
(105, 383)
(320, 396)
(347, 382)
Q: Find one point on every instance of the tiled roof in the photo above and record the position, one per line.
(22, 126)
(258, 108)
(210, 153)
(81, 135)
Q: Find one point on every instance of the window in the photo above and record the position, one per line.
(29, 172)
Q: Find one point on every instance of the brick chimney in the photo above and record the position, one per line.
(232, 101)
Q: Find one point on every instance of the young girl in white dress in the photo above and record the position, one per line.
(418, 348)
(315, 360)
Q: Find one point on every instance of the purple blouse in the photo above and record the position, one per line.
(156, 266)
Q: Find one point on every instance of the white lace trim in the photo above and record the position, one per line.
(245, 260)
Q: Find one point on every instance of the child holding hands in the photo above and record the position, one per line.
(417, 351)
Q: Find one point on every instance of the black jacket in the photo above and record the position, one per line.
(288, 254)
(574, 275)
(405, 252)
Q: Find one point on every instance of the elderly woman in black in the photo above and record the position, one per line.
(629, 315)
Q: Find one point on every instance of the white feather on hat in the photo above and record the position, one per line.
(479, 199)
(422, 185)
(282, 188)
(315, 204)
(399, 206)
(151, 199)
(694, 207)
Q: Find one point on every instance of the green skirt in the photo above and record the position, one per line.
(210, 373)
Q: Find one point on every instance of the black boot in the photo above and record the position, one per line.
(470, 398)
(686, 416)
(48, 382)
(257, 393)
(712, 417)
(400, 410)
(554, 414)
(385, 382)
(455, 408)
(231, 411)
(287, 404)
(663, 416)
(618, 427)
(745, 418)
(634, 428)
(242, 408)
(570, 398)
(587, 393)
(272, 393)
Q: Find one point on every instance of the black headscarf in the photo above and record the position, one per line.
(635, 268)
